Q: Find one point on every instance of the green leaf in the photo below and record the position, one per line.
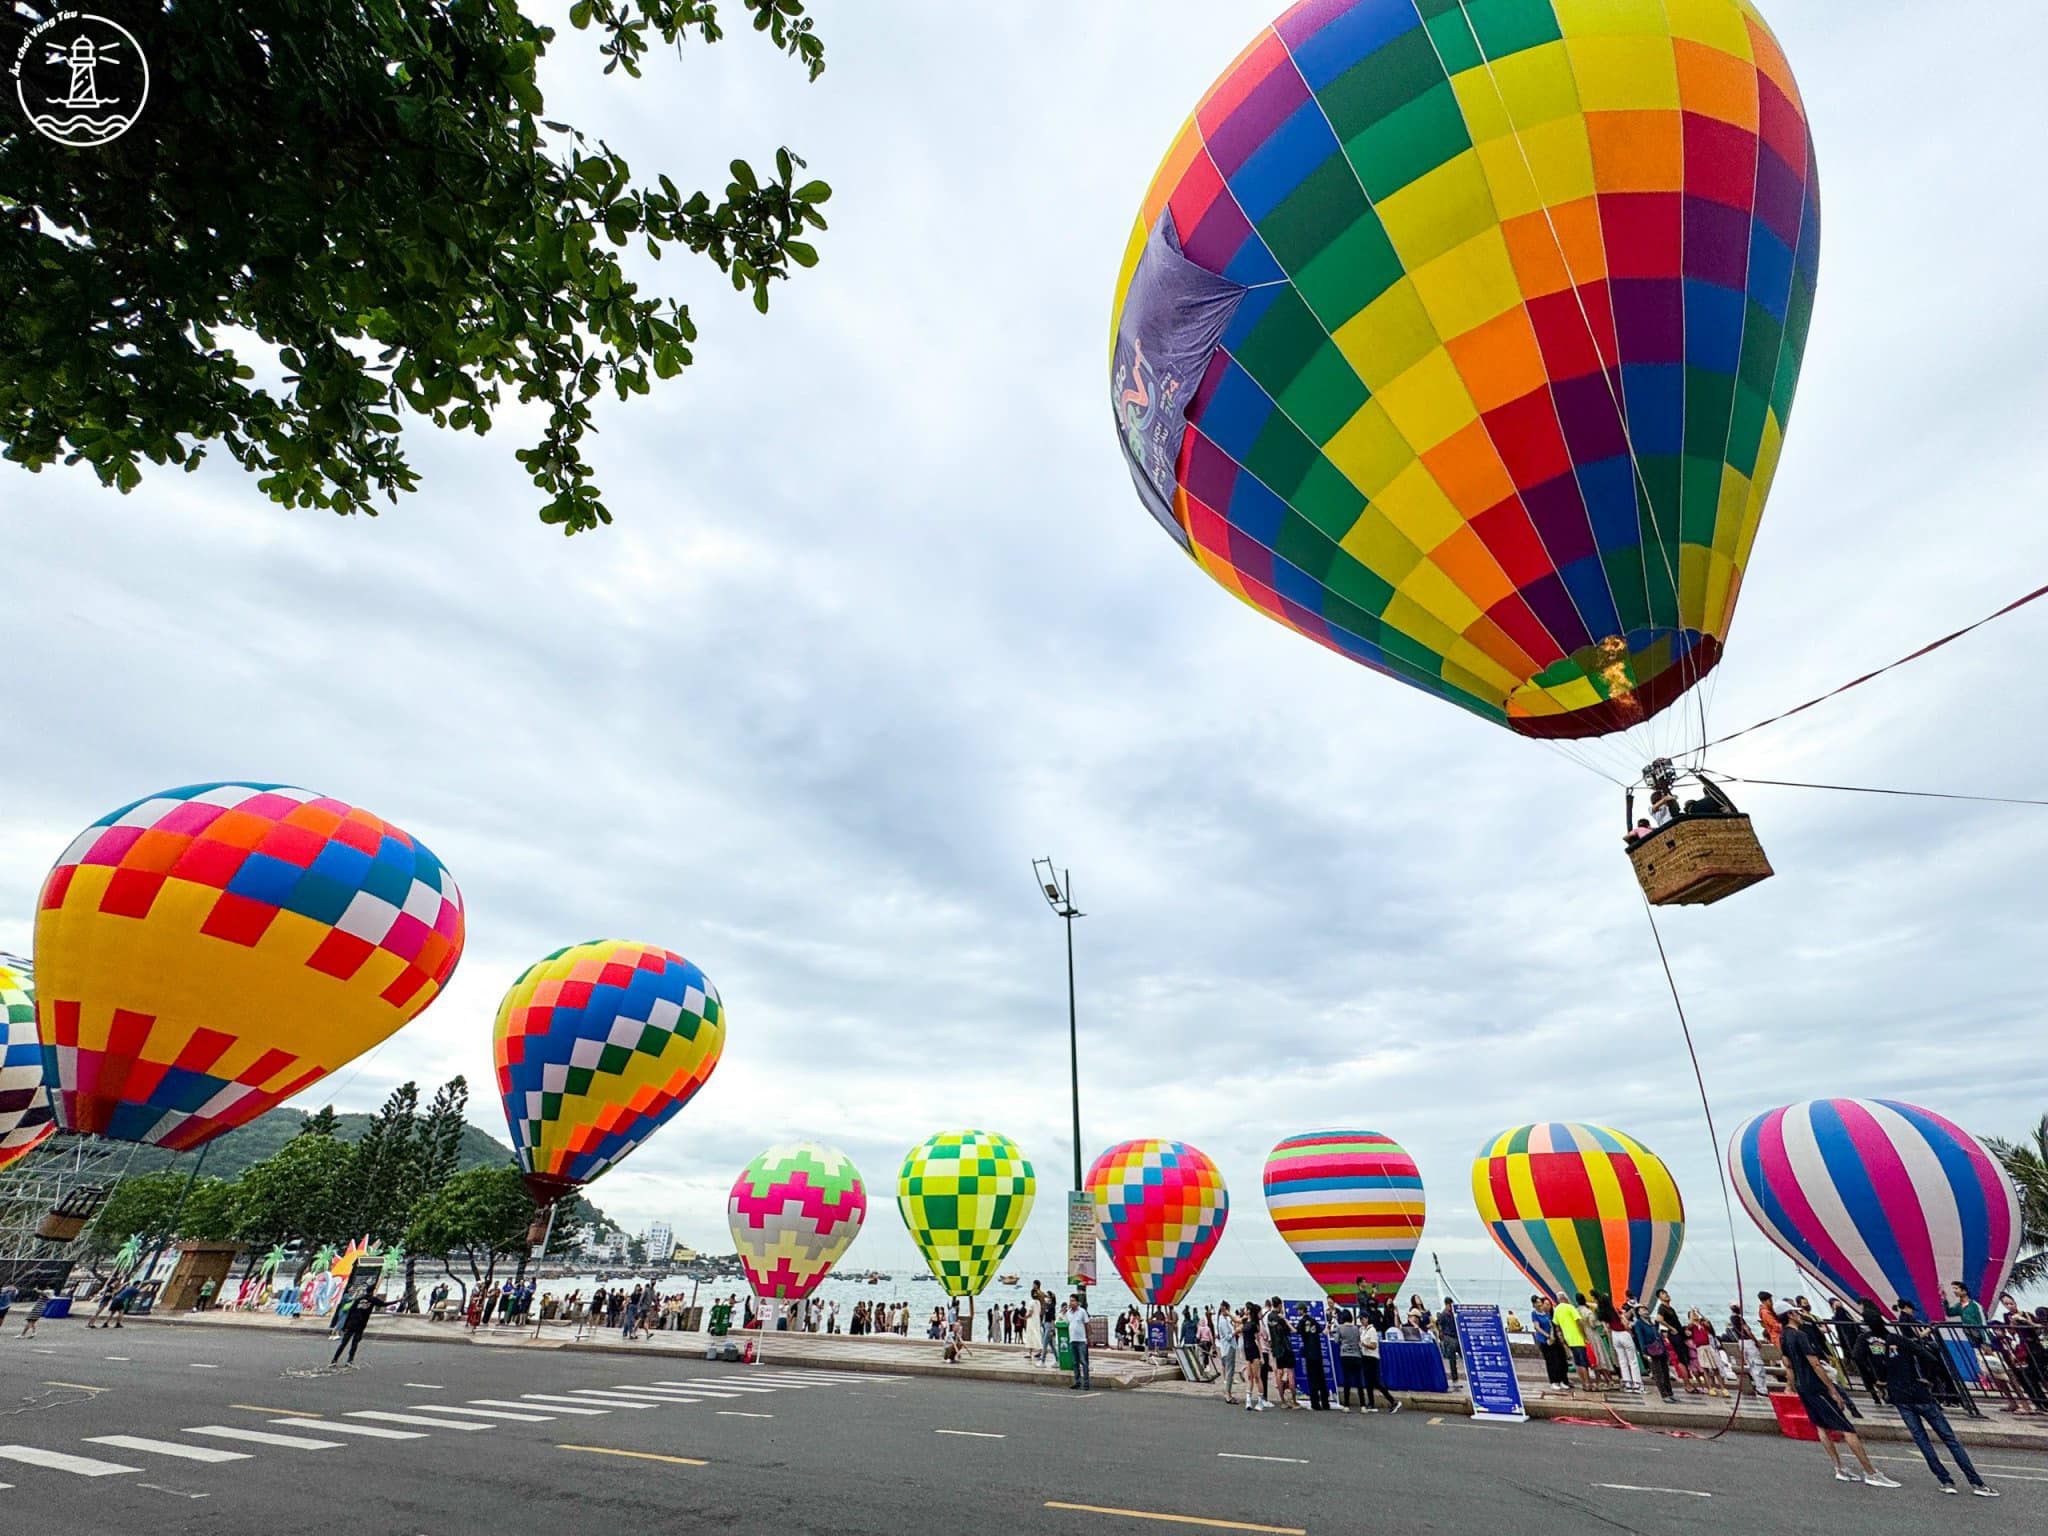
(813, 192)
(800, 253)
(743, 173)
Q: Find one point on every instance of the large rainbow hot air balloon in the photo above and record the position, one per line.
(1162, 1208)
(597, 1047)
(965, 1195)
(1879, 1200)
(1350, 1205)
(205, 953)
(793, 1211)
(1580, 1208)
(1461, 338)
(26, 1119)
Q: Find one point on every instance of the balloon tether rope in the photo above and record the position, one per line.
(1720, 1169)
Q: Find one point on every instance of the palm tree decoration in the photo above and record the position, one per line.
(2026, 1164)
(129, 1256)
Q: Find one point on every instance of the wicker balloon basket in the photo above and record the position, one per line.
(1697, 860)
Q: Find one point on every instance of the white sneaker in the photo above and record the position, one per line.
(1340, 1407)
(1948, 1487)
(1878, 1480)
(1981, 1491)
(1368, 1410)
(1847, 1477)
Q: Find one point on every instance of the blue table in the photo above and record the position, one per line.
(1412, 1366)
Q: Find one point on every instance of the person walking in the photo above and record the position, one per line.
(1369, 1336)
(355, 1322)
(39, 1302)
(1908, 1363)
(1822, 1400)
(1077, 1340)
(1225, 1328)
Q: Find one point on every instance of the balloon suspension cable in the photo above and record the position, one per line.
(1857, 682)
(1866, 789)
(1720, 1169)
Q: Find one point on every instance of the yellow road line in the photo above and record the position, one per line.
(297, 1413)
(1148, 1514)
(607, 1450)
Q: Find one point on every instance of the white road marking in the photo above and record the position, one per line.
(425, 1386)
(1989, 1469)
(199, 1366)
(166, 1448)
(122, 1358)
(506, 1402)
(655, 1394)
(414, 1418)
(60, 1461)
(737, 1413)
(264, 1437)
(1690, 1493)
(720, 1384)
(593, 1395)
(970, 1434)
(368, 1431)
(487, 1413)
(704, 1391)
(176, 1492)
(1299, 1461)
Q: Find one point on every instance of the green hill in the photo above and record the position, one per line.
(260, 1138)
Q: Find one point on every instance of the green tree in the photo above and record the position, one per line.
(387, 1169)
(636, 1251)
(369, 190)
(322, 1123)
(2026, 1164)
(304, 1193)
(437, 1155)
(479, 1216)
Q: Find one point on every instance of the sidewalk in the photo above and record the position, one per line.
(819, 1351)
(1997, 1430)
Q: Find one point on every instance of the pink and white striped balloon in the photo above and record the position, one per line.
(1879, 1199)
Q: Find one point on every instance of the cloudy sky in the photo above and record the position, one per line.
(881, 620)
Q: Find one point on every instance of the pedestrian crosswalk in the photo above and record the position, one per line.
(306, 1430)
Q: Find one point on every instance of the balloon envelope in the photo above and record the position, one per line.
(597, 1047)
(26, 1119)
(1879, 1199)
(793, 1211)
(1580, 1208)
(1162, 1208)
(1350, 1205)
(1461, 339)
(965, 1195)
(204, 954)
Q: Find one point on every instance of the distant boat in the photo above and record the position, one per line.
(1006, 1279)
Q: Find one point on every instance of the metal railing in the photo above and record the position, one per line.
(2003, 1366)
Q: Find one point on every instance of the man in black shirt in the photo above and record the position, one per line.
(1909, 1364)
(1822, 1401)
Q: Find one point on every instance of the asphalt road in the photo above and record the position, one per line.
(738, 1449)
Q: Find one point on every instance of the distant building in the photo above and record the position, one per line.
(684, 1254)
(660, 1239)
(606, 1248)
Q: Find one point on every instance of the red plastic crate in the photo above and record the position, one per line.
(1792, 1420)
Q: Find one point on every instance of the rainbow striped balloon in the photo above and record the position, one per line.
(1162, 1206)
(1580, 1208)
(1350, 1205)
(794, 1211)
(1879, 1199)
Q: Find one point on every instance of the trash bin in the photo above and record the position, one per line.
(1066, 1344)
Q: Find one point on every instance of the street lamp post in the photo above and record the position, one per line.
(1058, 889)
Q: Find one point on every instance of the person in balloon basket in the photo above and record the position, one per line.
(1910, 1367)
(1823, 1400)
(1077, 1340)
